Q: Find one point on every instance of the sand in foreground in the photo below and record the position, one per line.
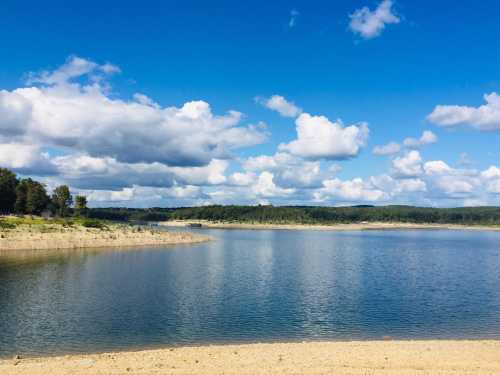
(340, 358)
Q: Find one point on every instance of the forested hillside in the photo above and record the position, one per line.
(308, 215)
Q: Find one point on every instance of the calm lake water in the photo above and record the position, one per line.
(253, 286)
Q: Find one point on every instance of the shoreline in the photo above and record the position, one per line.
(324, 227)
(323, 357)
(53, 236)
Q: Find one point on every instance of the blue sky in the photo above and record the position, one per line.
(388, 64)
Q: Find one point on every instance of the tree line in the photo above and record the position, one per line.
(307, 214)
(27, 196)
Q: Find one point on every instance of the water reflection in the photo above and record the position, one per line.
(253, 286)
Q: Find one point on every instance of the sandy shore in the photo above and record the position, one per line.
(333, 227)
(51, 236)
(339, 358)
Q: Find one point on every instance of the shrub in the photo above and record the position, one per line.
(90, 223)
(7, 225)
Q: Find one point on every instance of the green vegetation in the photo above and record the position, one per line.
(307, 214)
(81, 208)
(62, 200)
(93, 223)
(8, 183)
(27, 196)
(41, 224)
(31, 197)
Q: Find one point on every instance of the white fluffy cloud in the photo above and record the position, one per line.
(26, 159)
(493, 186)
(15, 115)
(141, 196)
(485, 117)
(436, 167)
(491, 172)
(279, 104)
(319, 138)
(86, 172)
(84, 118)
(456, 185)
(355, 190)
(140, 153)
(491, 176)
(390, 148)
(266, 188)
(242, 179)
(409, 165)
(288, 170)
(427, 138)
(369, 24)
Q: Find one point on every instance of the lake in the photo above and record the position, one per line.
(253, 286)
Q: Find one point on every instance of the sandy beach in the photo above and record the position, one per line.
(333, 227)
(55, 236)
(340, 358)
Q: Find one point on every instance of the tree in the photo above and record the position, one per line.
(81, 205)
(62, 199)
(8, 184)
(21, 197)
(37, 198)
(31, 197)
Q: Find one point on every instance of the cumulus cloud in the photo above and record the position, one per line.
(279, 104)
(390, 148)
(211, 174)
(410, 185)
(68, 128)
(288, 170)
(15, 114)
(82, 117)
(355, 190)
(491, 172)
(456, 186)
(86, 172)
(26, 159)
(242, 179)
(369, 24)
(437, 167)
(427, 138)
(493, 186)
(141, 196)
(319, 138)
(408, 165)
(485, 117)
(266, 188)
(491, 176)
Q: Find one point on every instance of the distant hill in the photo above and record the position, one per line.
(307, 214)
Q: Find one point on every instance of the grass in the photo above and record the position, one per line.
(49, 225)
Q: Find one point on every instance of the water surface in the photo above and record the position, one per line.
(253, 286)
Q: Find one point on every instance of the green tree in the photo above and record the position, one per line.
(62, 200)
(37, 198)
(31, 197)
(81, 205)
(21, 197)
(8, 184)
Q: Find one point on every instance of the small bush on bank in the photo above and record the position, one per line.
(7, 225)
(91, 223)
